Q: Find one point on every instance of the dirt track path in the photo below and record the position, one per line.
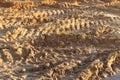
(59, 40)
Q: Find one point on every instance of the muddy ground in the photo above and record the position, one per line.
(59, 40)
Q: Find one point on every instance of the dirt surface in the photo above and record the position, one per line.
(59, 40)
(115, 77)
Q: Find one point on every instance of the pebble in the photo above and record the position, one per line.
(23, 70)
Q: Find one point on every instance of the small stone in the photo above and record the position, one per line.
(47, 64)
(105, 75)
(23, 70)
(46, 54)
(55, 55)
(24, 76)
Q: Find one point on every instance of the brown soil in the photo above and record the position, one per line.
(59, 39)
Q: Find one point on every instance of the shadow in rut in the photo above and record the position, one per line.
(6, 4)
